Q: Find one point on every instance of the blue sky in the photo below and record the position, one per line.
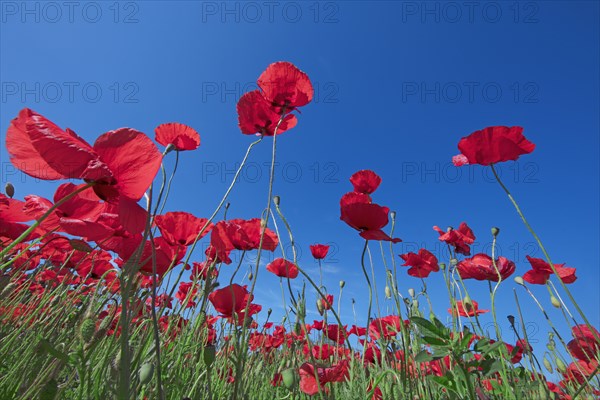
(397, 85)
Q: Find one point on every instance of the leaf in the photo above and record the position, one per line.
(434, 341)
(444, 381)
(430, 327)
(423, 356)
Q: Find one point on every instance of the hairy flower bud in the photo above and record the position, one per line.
(9, 189)
(519, 280)
(555, 302)
(342, 284)
(87, 330)
(495, 231)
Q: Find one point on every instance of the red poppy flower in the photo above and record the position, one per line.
(284, 85)
(240, 234)
(122, 163)
(319, 251)
(459, 238)
(541, 271)
(166, 255)
(365, 181)
(388, 327)
(467, 310)
(368, 219)
(181, 136)
(257, 116)
(337, 333)
(283, 268)
(584, 346)
(354, 197)
(181, 227)
(327, 302)
(230, 300)
(481, 267)
(187, 290)
(492, 145)
(11, 215)
(422, 263)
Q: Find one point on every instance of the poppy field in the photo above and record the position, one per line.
(104, 294)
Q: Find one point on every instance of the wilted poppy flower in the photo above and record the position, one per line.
(467, 310)
(368, 219)
(257, 116)
(283, 268)
(481, 267)
(181, 136)
(541, 271)
(181, 227)
(285, 86)
(422, 263)
(365, 181)
(459, 238)
(319, 251)
(492, 145)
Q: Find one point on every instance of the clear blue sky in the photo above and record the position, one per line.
(397, 85)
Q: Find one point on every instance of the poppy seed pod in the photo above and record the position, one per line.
(276, 200)
(511, 319)
(495, 231)
(393, 215)
(342, 284)
(9, 189)
(442, 266)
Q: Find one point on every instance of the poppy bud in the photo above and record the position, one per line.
(554, 301)
(519, 280)
(227, 206)
(87, 330)
(453, 261)
(9, 189)
(548, 365)
(342, 284)
(467, 303)
(209, 354)
(282, 365)
(415, 303)
(290, 378)
(269, 311)
(320, 307)
(146, 371)
(276, 200)
(442, 266)
(250, 276)
(560, 365)
(411, 292)
(393, 215)
(388, 292)
(297, 328)
(495, 231)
